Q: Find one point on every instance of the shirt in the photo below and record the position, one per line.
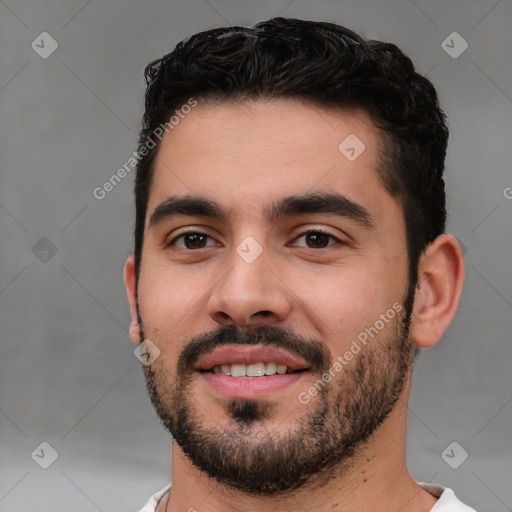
(447, 501)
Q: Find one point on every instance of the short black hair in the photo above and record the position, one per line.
(324, 64)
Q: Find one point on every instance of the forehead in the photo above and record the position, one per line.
(247, 155)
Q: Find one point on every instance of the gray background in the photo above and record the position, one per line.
(68, 375)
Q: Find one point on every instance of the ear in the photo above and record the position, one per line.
(440, 280)
(130, 283)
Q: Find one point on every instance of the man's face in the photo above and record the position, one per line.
(272, 276)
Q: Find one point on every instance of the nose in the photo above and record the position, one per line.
(250, 293)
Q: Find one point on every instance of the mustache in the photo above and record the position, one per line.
(312, 351)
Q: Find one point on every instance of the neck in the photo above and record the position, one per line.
(376, 479)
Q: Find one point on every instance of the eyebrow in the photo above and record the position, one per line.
(186, 205)
(323, 203)
(326, 203)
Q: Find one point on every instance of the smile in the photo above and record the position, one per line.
(260, 369)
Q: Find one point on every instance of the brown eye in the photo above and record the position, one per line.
(317, 240)
(194, 241)
(191, 241)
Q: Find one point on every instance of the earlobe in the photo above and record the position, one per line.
(440, 280)
(130, 283)
(135, 332)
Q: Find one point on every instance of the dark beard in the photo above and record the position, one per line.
(336, 423)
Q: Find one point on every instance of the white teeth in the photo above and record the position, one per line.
(250, 370)
(281, 369)
(255, 370)
(238, 370)
(270, 368)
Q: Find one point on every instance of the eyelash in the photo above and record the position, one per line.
(312, 231)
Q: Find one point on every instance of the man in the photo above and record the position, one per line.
(290, 259)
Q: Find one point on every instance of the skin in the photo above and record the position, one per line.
(244, 157)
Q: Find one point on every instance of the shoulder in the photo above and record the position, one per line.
(447, 502)
(152, 503)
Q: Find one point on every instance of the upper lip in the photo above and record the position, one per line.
(236, 354)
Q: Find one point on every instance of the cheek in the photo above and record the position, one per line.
(343, 304)
(166, 294)
(164, 305)
(157, 299)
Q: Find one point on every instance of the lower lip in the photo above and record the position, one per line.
(249, 387)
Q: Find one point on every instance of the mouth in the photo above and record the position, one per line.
(251, 361)
(260, 369)
(250, 371)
